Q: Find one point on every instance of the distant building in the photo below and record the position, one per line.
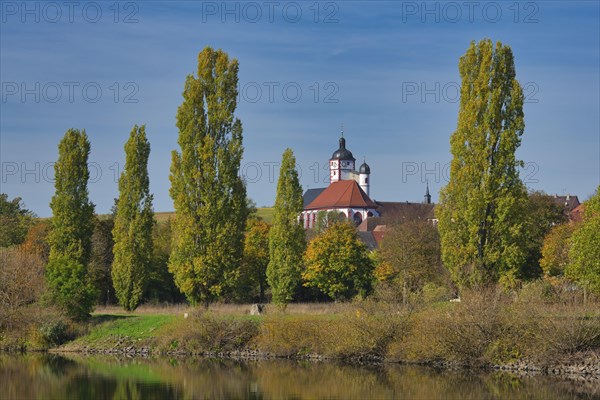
(568, 202)
(576, 215)
(348, 195)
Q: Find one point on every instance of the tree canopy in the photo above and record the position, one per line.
(338, 264)
(133, 223)
(287, 239)
(15, 220)
(584, 254)
(208, 194)
(72, 227)
(481, 208)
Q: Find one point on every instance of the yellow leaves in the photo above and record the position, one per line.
(384, 271)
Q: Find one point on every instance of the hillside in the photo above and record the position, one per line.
(265, 213)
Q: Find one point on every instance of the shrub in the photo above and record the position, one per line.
(203, 332)
(55, 333)
(71, 289)
(21, 284)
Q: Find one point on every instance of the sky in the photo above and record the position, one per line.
(386, 70)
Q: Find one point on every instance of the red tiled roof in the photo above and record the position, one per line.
(342, 194)
(379, 234)
(577, 213)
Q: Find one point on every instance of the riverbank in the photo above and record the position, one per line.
(527, 332)
(481, 332)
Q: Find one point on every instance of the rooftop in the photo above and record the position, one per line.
(341, 194)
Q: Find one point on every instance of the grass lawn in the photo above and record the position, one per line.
(265, 213)
(110, 327)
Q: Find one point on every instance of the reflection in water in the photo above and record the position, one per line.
(38, 376)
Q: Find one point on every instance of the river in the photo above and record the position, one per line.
(48, 376)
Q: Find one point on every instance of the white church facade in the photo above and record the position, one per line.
(347, 193)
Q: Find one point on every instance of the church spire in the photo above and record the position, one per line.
(427, 195)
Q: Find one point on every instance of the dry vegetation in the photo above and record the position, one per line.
(540, 324)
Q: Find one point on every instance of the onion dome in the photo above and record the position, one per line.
(342, 153)
(364, 169)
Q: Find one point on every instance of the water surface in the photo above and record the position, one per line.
(44, 376)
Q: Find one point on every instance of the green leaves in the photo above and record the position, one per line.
(15, 221)
(585, 247)
(134, 219)
(337, 263)
(481, 208)
(72, 227)
(70, 286)
(287, 239)
(208, 194)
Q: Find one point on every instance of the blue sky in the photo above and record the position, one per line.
(387, 70)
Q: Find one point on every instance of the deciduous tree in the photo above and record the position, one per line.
(101, 262)
(555, 249)
(133, 223)
(287, 239)
(72, 227)
(585, 247)
(253, 277)
(410, 256)
(338, 264)
(15, 221)
(541, 214)
(161, 284)
(208, 193)
(21, 283)
(481, 209)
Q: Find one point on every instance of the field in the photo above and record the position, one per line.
(266, 213)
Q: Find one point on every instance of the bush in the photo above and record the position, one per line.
(21, 284)
(55, 333)
(203, 332)
(71, 289)
(433, 293)
(474, 324)
(363, 332)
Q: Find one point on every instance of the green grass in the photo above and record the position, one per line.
(109, 327)
(265, 213)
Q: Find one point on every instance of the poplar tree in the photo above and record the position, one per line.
(209, 195)
(72, 228)
(134, 219)
(287, 239)
(481, 208)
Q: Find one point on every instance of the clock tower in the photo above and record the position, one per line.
(341, 164)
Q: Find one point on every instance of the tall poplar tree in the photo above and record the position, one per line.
(134, 219)
(480, 211)
(287, 239)
(72, 227)
(208, 193)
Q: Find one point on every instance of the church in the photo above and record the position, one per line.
(348, 194)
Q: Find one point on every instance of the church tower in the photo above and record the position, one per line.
(427, 195)
(363, 177)
(341, 164)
